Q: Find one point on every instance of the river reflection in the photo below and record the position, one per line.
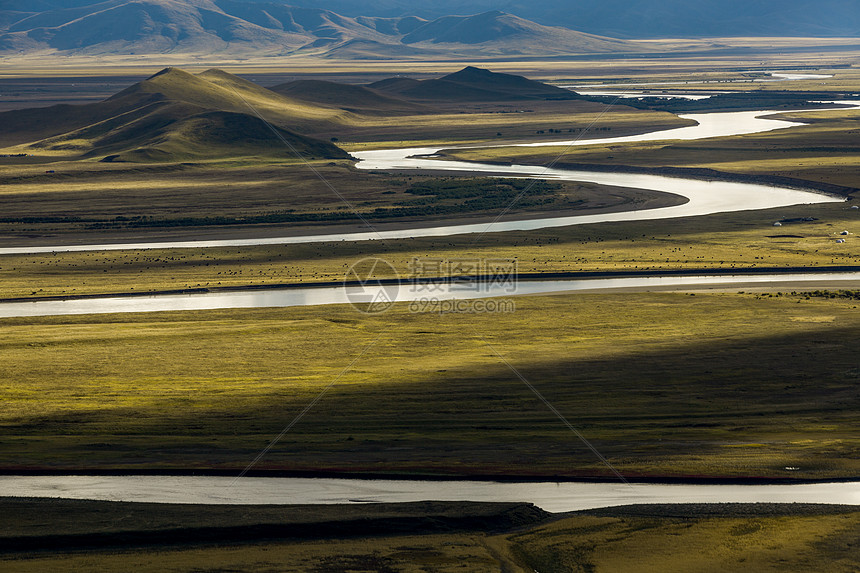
(312, 296)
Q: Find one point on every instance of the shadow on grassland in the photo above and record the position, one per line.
(727, 408)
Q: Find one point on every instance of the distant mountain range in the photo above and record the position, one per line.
(172, 25)
(269, 28)
(642, 18)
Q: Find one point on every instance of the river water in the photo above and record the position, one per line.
(362, 295)
(551, 496)
(771, 77)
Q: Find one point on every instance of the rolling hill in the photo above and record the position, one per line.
(173, 115)
(471, 84)
(138, 27)
(353, 98)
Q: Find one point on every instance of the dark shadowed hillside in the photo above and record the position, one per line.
(349, 97)
(472, 84)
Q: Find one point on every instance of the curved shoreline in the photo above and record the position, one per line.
(702, 174)
(704, 197)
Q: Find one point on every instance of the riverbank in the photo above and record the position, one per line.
(38, 525)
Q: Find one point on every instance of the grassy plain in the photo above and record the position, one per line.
(442, 537)
(692, 58)
(663, 384)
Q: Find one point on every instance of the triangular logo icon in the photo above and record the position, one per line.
(380, 302)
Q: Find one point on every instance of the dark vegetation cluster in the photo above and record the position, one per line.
(446, 196)
(849, 294)
(842, 293)
(484, 193)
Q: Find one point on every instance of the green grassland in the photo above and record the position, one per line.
(723, 385)
(440, 537)
(719, 385)
(473, 123)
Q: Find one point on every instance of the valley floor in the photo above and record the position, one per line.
(726, 385)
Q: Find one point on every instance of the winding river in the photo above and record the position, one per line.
(704, 197)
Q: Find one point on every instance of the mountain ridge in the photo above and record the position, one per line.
(137, 27)
(613, 18)
(641, 18)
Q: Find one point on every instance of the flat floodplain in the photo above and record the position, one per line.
(664, 384)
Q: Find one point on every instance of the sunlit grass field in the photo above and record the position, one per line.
(723, 385)
(670, 539)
